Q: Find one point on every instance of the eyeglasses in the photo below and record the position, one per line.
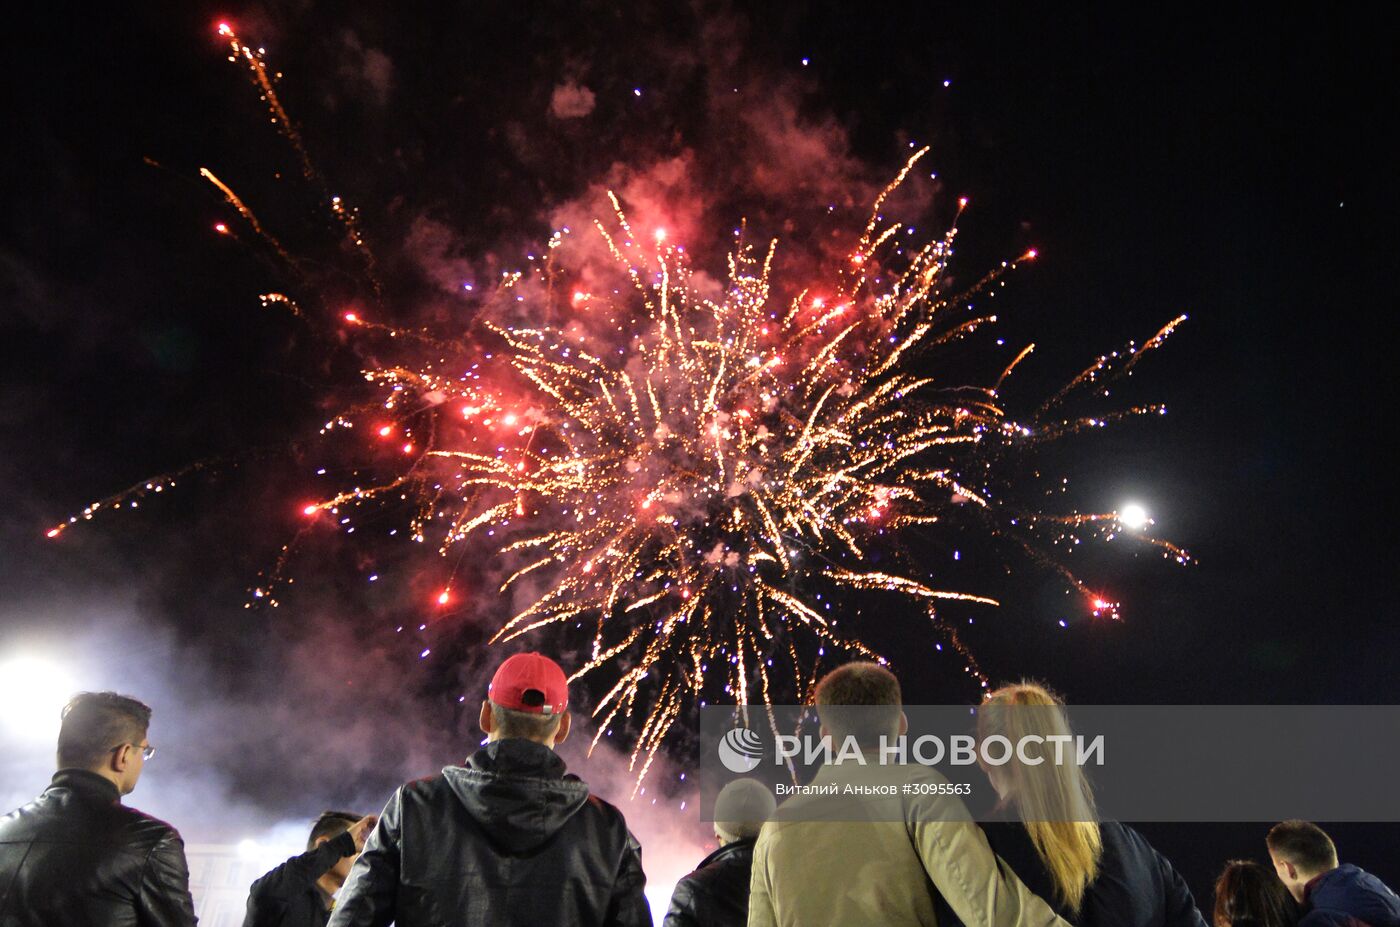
(146, 752)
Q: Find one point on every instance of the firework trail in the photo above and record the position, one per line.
(690, 470)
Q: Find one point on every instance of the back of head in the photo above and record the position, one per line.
(94, 723)
(1054, 800)
(510, 722)
(330, 824)
(860, 700)
(1048, 790)
(528, 698)
(741, 808)
(1303, 844)
(1249, 894)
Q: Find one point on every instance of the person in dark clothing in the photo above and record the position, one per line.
(1249, 894)
(300, 892)
(716, 894)
(76, 855)
(1331, 894)
(510, 838)
(1093, 874)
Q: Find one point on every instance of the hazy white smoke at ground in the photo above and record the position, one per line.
(233, 835)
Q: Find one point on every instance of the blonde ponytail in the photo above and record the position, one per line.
(1055, 801)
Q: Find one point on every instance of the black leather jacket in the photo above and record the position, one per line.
(716, 894)
(508, 839)
(288, 896)
(75, 856)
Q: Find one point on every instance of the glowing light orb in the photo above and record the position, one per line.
(1133, 517)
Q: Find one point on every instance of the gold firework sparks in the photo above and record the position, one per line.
(693, 469)
(693, 477)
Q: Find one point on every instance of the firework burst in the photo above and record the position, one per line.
(693, 476)
(691, 468)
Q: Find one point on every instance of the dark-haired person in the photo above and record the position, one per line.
(509, 838)
(76, 855)
(301, 891)
(1095, 874)
(716, 894)
(1249, 894)
(893, 859)
(1344, 895)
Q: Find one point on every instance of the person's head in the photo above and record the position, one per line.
(1301, 851)
(741, 807)
(1247, 894)
(1027, 714)
(1052, 799)
(328, 826)
(105, 733)
(528, 698)
(860, 701)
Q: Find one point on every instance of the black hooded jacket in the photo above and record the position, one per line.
(508, 839)
(76, 855)
(716, 894)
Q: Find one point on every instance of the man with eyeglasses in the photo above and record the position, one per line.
(76, 854)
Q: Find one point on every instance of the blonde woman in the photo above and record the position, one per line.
(1094, 874)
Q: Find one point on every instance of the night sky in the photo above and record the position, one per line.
(1230, 166)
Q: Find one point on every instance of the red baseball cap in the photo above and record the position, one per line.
(530, 682)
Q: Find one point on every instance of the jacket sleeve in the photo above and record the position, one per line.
(1181, 910)
(311, 865)
(269, 896)
(629, 906)
(370, 895)
(164, 899)
(761, 913)
(681, 911)
(981, 889)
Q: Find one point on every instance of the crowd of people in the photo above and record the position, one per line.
(511, 837)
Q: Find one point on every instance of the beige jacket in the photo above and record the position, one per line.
(884, 861)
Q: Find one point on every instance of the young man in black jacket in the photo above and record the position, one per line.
(76, 855)
(716, 894)
(301, 891)
(1331, 893)
(508, 839)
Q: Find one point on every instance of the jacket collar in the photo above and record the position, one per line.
(86, 784)
(516, 756)
(1337, 874)
(737, 848)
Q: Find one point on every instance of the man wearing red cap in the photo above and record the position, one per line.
(509, 838)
